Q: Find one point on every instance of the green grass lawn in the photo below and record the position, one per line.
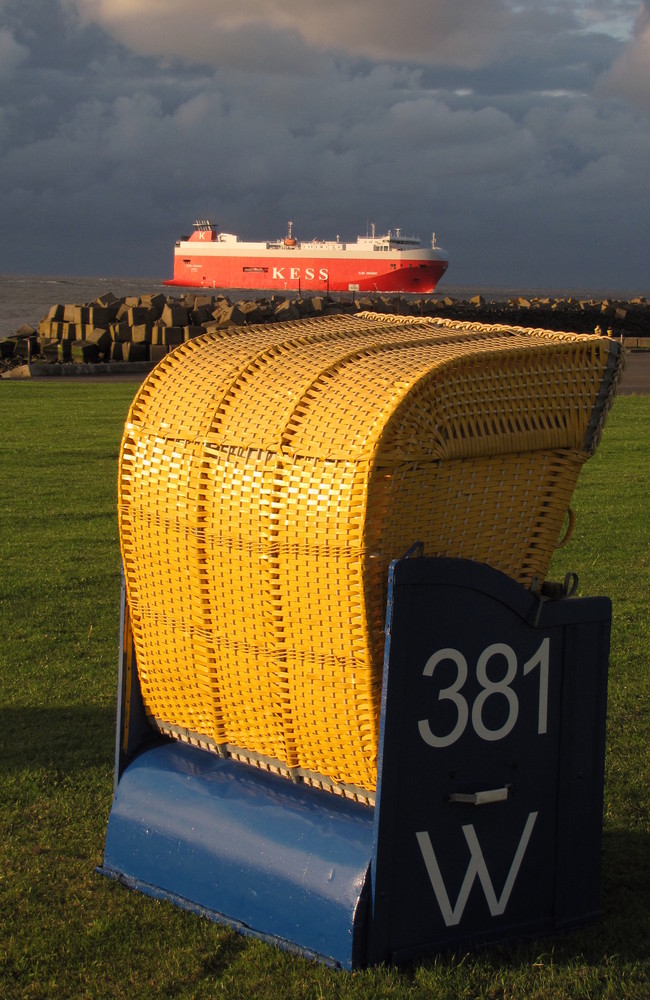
(66, 931)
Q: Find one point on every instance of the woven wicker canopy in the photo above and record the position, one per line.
(269, 474)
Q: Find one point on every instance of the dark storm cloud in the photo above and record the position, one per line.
(12, 54)
(513, 130)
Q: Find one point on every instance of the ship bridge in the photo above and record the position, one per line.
(389, 241)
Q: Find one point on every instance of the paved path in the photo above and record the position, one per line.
(636, 377)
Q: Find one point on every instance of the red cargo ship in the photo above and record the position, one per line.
(391, 263)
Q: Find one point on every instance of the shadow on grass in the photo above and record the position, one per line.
(64, 738)
(625, 895)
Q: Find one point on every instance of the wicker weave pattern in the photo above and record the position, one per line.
(268, 476)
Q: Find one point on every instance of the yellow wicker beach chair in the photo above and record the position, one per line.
(268, 475)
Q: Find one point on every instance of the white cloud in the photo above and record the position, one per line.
(610, 17)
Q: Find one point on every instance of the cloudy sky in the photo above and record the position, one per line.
(518, 131)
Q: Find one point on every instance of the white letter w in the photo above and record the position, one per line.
(476, 867)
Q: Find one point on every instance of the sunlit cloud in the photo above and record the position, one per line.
(629, 75)
(450, 32)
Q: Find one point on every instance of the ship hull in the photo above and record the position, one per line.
(411, 272)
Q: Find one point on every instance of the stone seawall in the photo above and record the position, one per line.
(142, 329)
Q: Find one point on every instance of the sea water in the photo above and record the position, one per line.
(28, 298)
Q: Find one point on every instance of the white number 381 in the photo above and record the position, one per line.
(489, 689)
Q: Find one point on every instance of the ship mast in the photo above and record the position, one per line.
(289, 240)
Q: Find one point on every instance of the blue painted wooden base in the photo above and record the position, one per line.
(282, 861)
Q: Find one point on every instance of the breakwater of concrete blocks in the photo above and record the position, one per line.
(627, 319)
(144, 328)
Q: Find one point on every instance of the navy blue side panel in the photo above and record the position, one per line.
(582, 774)
(491, 755)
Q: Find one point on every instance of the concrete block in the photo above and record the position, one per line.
(158, 351)
(107, 300)
(154, 302)
(101, 338)
(251, 311)
(136, 315)
(175, 314)
(173, 334)
(167, 335)
(230, 316)
(120, 332)
(285, 310)
(110, 303)
(141, 333)
(135, 351)
(71, 313)
(84, 353)
(99, 316)
(201, 314)
(25, 331)
(50, 350)
(45, 328)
